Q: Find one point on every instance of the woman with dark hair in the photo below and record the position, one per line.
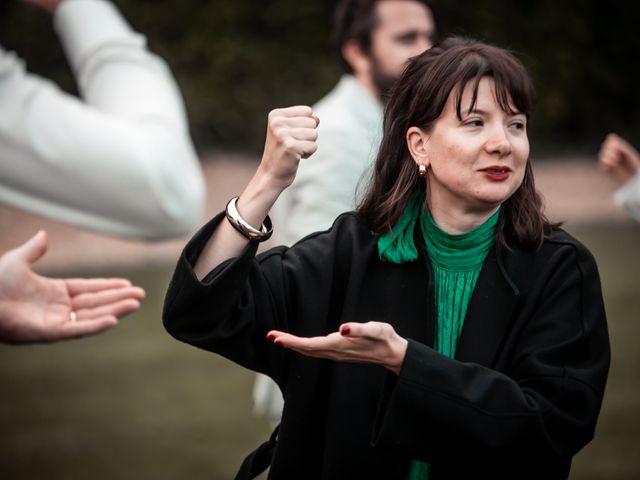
(444, 330)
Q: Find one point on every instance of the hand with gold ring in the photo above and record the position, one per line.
(34, 308)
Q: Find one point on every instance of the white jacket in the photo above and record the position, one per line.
(628, 197)
(120, 161)
(335, 177)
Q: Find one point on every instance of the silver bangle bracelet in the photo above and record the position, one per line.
(241, 225)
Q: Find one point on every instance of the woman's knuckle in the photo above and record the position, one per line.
(274, 114)
(288, 142)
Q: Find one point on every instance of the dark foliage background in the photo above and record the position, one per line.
(235, 60)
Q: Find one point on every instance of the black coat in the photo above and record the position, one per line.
(521, 397)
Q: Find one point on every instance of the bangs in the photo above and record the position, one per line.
(513, 88)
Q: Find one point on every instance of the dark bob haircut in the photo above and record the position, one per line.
(418, 99)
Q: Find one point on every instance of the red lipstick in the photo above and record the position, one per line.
(496, 173)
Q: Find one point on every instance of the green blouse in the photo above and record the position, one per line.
(456, 261)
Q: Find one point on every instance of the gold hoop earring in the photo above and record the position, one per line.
(422, 170)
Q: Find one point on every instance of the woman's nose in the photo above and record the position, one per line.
(498, 142)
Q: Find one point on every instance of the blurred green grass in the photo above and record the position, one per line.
(134, 403)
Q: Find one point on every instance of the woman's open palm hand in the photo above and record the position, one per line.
(371, 342)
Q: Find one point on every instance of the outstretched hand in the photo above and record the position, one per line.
(34, 308)
(371, 342)
(619, 158)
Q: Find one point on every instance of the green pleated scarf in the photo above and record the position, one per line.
(456, 261)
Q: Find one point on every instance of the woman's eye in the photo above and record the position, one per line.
(518, 125)
(474, 123)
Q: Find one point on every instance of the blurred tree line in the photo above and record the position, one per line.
(236, 60)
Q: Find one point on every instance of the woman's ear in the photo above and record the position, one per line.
(417, 145)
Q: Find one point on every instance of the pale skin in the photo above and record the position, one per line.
(459, 151)
(618, 158)
(486, 137)
(38, 309)
(405, 28)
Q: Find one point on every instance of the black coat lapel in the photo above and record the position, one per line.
(489, 314)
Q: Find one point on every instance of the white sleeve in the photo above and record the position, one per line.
(331, 181)
(628, 197)
(121, 161)
(325, 186)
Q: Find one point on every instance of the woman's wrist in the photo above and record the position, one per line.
(398, 352)
(258, 197)
(245, 228)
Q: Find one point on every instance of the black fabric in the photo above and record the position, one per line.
(258, 460)
(520, 398)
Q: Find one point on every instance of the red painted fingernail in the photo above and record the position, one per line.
(345, 330)
(278, 342)
(271, 337)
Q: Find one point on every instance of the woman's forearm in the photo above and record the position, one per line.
(291, 135)
(227, 242)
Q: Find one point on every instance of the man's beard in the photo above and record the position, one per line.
(381, 80)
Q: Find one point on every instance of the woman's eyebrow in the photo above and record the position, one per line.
(477, 111)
